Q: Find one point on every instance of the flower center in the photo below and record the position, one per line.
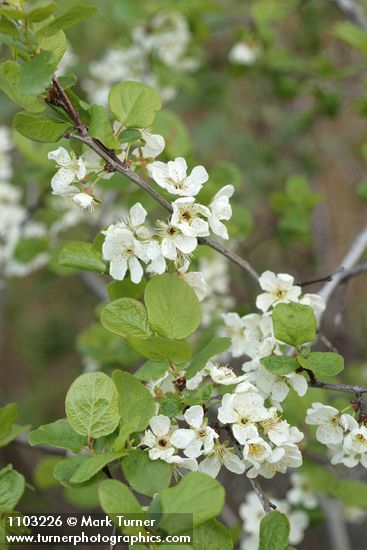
(163, 442)
(256, 449)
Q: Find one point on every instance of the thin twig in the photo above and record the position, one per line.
(347, 388)
(266, 503)
(353, 11)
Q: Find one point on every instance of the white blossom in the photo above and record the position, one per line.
(197, 282)
(223, 375)
(186, 216)
(154, 145)
(199, 436)
(221, 455)
(220, 209)
(242, 411)
(85, 201)
(183, 462)
(278, 289)
(330, 424)
(172, 177)
(123, 252)
(315, 301)
(70, 170)
(173, 240)
(158, 438)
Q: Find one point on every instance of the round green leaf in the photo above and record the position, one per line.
(172, 305)
(126, 317)
(144, 475)
(134, 104)
(196, 494)
(323, 363)
(294, 324)
(274, 531)
(12, 485)
(92, 405)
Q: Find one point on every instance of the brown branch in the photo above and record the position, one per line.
(347, 388)
(69, 107)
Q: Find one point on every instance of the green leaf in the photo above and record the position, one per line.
(134, 104)
(12, 485)
(171, 405)
(67, 81)
(58, 434)
(80, 255)
(323, 363)
(35, 74)
(100, 127)
(144, 475)
(280, 364)
(130, 135)
(39, 127)
(83, 496)
(57, 44)
(126, 317)
(13, 433)
(8, 416)
(172, 305)
(212, 534)
(294, 324)
(196, 494)
(92, 405)
(274, 531)
(41, 11)
(157, 348)
(9, 84)
(125, 289)
(137, 406)
(65, 469)
(116, 498)
(71, 17)
(92, 466)
(151, 370)
(7, 27)
(214, 347)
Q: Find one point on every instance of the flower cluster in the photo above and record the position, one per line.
(252, 336)
(165, 440)
(341, 433)
(252, 512)
(129, 243)
(73, 177)
(255, 438)
(164, 40)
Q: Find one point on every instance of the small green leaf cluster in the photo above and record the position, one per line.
(295, 325)
(157, 330)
